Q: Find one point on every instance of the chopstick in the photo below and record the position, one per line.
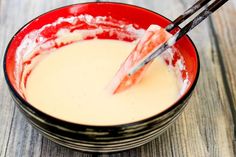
(198, 19)
(189, 12)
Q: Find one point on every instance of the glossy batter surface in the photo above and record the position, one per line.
(70, 84)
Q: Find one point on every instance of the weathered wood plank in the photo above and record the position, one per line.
(204, 129)
(223, 28)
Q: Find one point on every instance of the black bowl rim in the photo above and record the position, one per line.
(28, 106)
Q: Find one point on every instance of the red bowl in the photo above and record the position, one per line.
(87, 137)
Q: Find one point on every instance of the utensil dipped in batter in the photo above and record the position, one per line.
(154, 42)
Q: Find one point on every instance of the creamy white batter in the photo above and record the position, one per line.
(70, 84)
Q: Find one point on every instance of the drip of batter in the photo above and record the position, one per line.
(70, 84)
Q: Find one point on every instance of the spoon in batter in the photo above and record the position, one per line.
(154, 42)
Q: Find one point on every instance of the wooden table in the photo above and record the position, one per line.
(207, 126)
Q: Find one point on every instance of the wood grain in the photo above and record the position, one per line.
(207, 126)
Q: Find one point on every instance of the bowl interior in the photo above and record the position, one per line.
(139, 18)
